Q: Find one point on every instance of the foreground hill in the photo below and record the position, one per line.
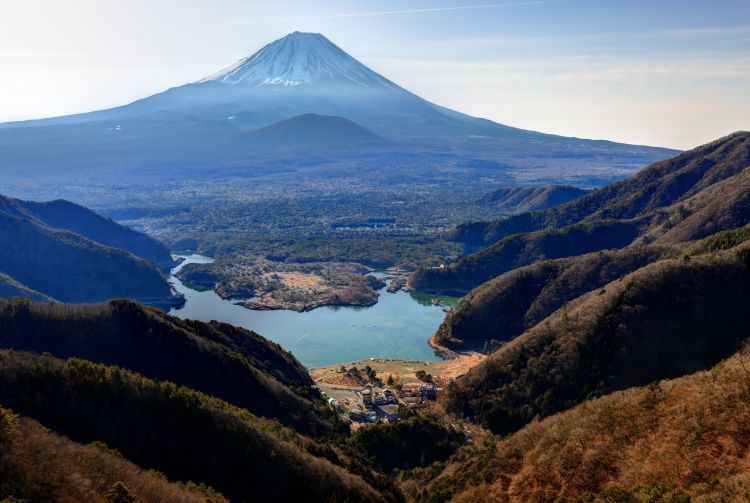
(667, 319)
(39, 465)
(690, 196)
(512, 303)
(182, 433)
(231, 363)
(511, 200)
(71, 267)
(680, 440)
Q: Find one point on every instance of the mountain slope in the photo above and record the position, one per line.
(12, 288)
(510, 304)
(73, 268)
(39, 465)
(681, 440)
(182, 433)
(669, 318)
(312, 128)
(510, 200)
(662, 184)
(63, 214)
(687, 197)
(209, 124)
(234, 364)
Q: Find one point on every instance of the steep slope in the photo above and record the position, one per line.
(520, 250)
(182, 433)
(73, 268)
(312, 128)
(662, 184)
(12, 288)
(666, 319)
(512, 200)
(38, 465)
(234, 364)
(69, 216)
(510, 304)
(674, 441)
(687, 197)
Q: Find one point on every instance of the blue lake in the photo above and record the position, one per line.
(398, 326)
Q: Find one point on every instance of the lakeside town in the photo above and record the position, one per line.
(382, 389)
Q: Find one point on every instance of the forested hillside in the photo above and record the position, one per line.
(511, 200)
(667, 319)
(690, 196)
(180, 432)
(231, 363)
(42, 253)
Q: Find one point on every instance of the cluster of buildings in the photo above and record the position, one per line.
(383, 405)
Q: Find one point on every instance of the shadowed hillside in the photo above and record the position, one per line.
(64, 251)
(12, 288)
(511, 200)
(39, 465)
(508, 305)
(313, 128)
(231, 363)
(63, 214)
(183, 433)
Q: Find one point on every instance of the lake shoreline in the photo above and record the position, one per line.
(396, 327)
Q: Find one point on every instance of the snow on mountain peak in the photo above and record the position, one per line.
(299, 59)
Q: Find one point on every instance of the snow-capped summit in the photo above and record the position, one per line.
(300, 59)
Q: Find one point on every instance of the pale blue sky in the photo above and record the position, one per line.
(660, 72)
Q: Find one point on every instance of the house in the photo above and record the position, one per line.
(356, 415)
(429, 391)
(366, 395)
(389, 412)
(412, 401)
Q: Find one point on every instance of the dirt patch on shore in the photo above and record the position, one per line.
(403, 371)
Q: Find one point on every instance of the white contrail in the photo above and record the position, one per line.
(408, 11)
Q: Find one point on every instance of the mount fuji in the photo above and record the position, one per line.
(338, 105)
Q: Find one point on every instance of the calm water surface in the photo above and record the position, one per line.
(398, 326)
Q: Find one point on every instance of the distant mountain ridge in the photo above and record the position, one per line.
(44, 255)
(313, 128)
(689, 196)
(513, 200)
(62, 214)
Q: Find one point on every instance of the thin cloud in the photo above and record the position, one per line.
(405, 11)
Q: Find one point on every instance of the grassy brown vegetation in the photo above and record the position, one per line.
(37, 465)
(183, 433)
(672, 441)
(231, 363)
(670, 318)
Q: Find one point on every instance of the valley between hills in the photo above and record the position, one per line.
(244, 312)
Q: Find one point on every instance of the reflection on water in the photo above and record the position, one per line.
(398, 326)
